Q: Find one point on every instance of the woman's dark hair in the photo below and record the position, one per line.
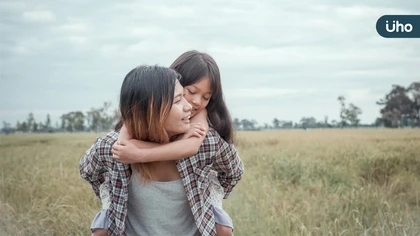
(146, 99)
(193, 66)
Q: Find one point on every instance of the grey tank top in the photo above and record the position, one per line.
(158, 208)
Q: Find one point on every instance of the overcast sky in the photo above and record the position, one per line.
(278, 59)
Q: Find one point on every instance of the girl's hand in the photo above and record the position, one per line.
(126, 152)
(196, 130)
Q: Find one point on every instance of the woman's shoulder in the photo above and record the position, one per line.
(106, 141)
(212, 134)
(213, 138)
(111, 137)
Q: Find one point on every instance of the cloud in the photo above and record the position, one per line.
(268, 92)
(41, 16)
(362, 95)
(12, 5)
(22, 50)
(78, 39)
(73, 27)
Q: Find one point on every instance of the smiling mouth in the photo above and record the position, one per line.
(186, 119)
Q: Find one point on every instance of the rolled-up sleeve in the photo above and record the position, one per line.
(92, 168)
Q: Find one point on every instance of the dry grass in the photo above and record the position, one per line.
(318, 182)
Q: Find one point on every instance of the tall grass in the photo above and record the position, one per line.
(316, 182)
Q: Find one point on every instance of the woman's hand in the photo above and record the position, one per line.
(128, 153)
(196, 130)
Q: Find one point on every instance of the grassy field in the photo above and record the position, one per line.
(315, 182)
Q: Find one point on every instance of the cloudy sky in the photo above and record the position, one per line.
(283, 59)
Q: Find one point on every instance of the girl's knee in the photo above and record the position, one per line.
(223, 230)
(100, 232)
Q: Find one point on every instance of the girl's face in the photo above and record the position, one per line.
(178, 121)
(198, 94)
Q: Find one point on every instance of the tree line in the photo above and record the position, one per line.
(399, 108)
(95, 120)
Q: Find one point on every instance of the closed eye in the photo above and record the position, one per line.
(177, 98)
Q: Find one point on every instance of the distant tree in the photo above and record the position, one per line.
(414, 91)
(41, 127)
(254, 124)
(66, 122)
(308, 122)
(379, 122)
(79, 120)
(237, 123)
(35, 127)
(94, 119)
(399, 106)
(248, 125)
(7, 128)
(116, 116)
(287, 124)
(73, 121)
(352, 114)
(31, 121)
(343, 117)
(24, 127)
(63, 122)
(47, 126)
(99, 119)
(17, 126)
(276, 123)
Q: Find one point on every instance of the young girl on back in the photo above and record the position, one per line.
(203, 90)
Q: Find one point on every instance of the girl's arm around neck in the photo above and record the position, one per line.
(184, 147)
(137, 151)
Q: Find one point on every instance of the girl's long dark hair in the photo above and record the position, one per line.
(193, 66)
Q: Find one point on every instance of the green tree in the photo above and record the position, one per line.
(343, 109)
(276, 123)
(352, 114)
(237, 123)
(31, 121)
(99, 119)
(399, 106)
(47, 126)
(414, 91)
(35, 127)
(308, 122)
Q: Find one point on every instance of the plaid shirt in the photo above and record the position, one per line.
(97, 167)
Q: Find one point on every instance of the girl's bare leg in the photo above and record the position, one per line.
(101, 232)
(222, 230)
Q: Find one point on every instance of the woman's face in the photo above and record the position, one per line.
(178, 121)
(198, 94)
